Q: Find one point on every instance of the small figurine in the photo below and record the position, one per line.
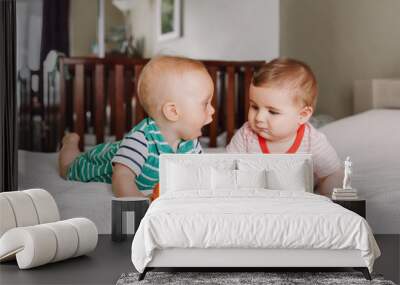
(347, 192)
(347, 173)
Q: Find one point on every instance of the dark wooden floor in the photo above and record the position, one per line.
(110, 260)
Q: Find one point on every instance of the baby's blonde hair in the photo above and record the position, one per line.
(162, 67)
(289, 73)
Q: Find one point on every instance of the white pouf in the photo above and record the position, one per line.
(31, 232)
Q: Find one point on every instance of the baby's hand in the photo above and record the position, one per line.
(326, 184)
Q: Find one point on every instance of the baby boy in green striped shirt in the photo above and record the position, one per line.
(176, 94)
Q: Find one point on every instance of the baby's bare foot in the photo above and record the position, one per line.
(71, 139)
(69, 151)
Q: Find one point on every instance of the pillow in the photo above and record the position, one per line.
(229, 179)
(223, 179)
(293, 178)
(281, 174)
(183, 177)
(251, 178)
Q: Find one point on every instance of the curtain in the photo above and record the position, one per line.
(8, 98)
(55, 27)
(55, 36)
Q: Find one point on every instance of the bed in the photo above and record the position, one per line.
(372, 138)
(91, 200)
(247, 211)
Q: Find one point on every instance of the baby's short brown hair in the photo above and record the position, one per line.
(289, 73)
(158, 68)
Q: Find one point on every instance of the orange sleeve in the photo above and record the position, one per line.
(156, 192)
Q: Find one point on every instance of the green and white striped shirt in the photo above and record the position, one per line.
(139, 151)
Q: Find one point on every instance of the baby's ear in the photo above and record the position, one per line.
(305, 114)
(170, 111)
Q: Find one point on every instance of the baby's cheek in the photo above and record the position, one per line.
(251, 115)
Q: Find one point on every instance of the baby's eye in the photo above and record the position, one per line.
(254, 107)
(273, 112)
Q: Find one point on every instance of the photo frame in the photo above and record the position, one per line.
(168, 19)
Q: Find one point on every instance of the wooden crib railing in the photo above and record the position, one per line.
(90, 86)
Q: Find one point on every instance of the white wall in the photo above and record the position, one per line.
(83, 25)
(215, 29)
(342, 40)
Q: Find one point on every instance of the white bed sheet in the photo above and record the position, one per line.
(253, 218)
(74, 199)
(372, 140)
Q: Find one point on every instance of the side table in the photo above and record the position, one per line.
(358, 206)
(138, 205)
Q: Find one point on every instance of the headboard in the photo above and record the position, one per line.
(99, 96)
(375, 94)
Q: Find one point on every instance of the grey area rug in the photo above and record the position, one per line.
(225, 278)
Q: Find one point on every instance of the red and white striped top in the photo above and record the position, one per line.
(308, 140)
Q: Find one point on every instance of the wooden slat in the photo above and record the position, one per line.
(119, 114)
(88, 102)
(230, 104)
(45, 113)
(111, 98)
(248, 73)
(99, 103)
(79, 83)
(139, 112)
(63, 101)
(129, 86)
(214, 124)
